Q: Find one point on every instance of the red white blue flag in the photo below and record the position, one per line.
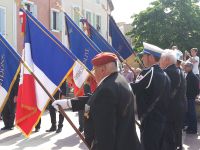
(51, 62)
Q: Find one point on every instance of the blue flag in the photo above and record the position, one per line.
(119, 42)
(81, 45)
(97, 38)
(9, 68)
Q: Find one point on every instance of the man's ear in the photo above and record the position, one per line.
(105, 68)
(151, 58)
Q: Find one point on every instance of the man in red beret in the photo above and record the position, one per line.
(109, 111)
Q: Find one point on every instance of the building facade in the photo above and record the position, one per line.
(95, 11)
(50, 15)
(47, 12)
(8, 21)
(125, 28)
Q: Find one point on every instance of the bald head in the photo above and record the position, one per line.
(104, 64)
(102, 71)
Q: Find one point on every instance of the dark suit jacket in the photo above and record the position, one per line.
(61, 91)
(178, 100)
(152, 89)
(148, 87)
(192, 85)
(111, 123)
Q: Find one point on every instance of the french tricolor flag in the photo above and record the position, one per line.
(51, 62)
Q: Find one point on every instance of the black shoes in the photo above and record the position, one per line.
(37, 130)
(191, 132)
(58, 130)
(52, 129)
(7, 128)
(4, 128)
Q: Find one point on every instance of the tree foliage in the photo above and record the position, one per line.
(168, 22)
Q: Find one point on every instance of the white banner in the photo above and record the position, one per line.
(80, 74)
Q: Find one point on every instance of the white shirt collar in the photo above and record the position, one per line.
(102, 80)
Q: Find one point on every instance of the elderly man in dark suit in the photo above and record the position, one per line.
(177, 104)
(109, 112)
(152, 89)
(192, 92)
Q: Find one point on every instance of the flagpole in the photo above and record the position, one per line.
(119, 56)
(140, 62)
(18, 57)
(81, 15)
(50, 96)
(68, 52)
(53, 99)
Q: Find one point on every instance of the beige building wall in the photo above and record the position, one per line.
(10, 21)
(125, 28)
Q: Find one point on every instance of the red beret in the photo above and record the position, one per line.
(103, 58)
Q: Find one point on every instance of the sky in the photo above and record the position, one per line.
(124, 9)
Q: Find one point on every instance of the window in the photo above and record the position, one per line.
(3, 21)
(76, 15)
(88, 16)
(94, 20)
(98, 23)
(55, 20)
(31, 8)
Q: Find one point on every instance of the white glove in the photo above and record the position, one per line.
(64, 103)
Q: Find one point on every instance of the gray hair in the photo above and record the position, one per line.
(169, 54)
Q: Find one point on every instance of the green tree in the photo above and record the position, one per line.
(168, 22)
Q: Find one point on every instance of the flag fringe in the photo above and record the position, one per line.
(28, 135)
(35, 110)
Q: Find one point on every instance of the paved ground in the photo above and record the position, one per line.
(67, 139)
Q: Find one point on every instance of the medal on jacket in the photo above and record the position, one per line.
(87, 110)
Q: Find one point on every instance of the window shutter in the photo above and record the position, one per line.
(35, 10)
(51, 19)
(2, 22)
(59, 21)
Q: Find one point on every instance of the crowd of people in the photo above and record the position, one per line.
(164, 90)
